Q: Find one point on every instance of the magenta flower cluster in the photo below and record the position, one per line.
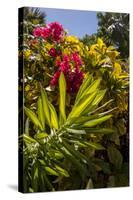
(70, 66)
(53, 31)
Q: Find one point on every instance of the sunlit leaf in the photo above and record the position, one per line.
(62, 102)
(32, 116)
(95, 145)
(95, 122)
(84, 85)
(45, 106)
(62, 171)
(41, 112)
(53, 116)
(51, 171)
(79, 108)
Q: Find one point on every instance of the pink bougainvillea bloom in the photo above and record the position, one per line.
(64, 67)
(52, 52)
(45, 33)
(53, 31)
(57, 62)
(57, 31)
(76, 58)
(37, 32)
(76, 81)
(55, 78)
(59, 52)
(66, 58)
(70, 66)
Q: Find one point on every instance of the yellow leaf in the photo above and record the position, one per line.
(100, 43)
(117, 69)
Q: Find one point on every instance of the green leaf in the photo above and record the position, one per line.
(28, 139)
(83, 86)
(51, 171)
(40, 136)
(55, 154)
(35, 172)
(41, 112)
(93, 86)
(115, 157)
(62, 171)
(94, 145)
(35, 177)
(32, 116)
(95, 122)
(95, 102)
(104, 166)
(62, 102)
(27, 126)
(45, 106)
(101, 107)
(77, 154)
(100, 130)
(99, 97)
(111, 181)
(48, 182)
(53, 116)
(89, 184)
(82, 119)
(72, 159)
(48, 169)
(82, 105)
(75, 131)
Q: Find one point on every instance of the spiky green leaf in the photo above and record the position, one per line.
(53, 116)
(62, 100)
(32, 116)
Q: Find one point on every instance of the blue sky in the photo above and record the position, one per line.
(76, 22)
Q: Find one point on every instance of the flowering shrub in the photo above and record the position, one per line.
(70, 74)
(53, 31)
(69, 64)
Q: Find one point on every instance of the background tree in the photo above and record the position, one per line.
(89, 39)
(33, 17)
(114, 28)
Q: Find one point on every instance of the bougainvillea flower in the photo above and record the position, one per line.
(53, 31)
(76, 58)
(37, 32)
(57, 31)
(70, 66)
(57, 62)
(55, 78)
(45, 33)
(52, 52)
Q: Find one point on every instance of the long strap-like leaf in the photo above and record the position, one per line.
(32, 116)
(53, 116)
(41, 112)
(62, 101)
(45, 106)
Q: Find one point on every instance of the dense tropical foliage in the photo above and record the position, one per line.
(76, 96)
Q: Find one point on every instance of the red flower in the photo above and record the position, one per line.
(57, 62)
(57, 30)
(52, 52)
(45, 33)
(76, 58)
(55, 78)
(53, 31)
(37, 32)
(74, 76)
